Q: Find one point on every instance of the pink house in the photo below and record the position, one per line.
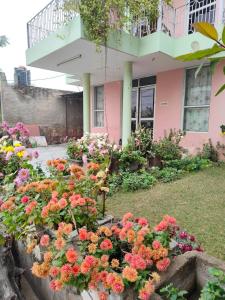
(141, 83)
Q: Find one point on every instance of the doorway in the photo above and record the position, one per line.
(142, 107)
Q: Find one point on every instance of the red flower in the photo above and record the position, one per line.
(25, 199)
(71, 255)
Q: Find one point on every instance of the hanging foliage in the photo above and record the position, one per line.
(100, 17)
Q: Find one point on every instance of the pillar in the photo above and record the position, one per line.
(127, 90)
(86, 102)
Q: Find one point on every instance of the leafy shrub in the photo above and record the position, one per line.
(168, 148)
(214, 289)
(141, 140)
(189, 164)
(136, 181)
(131, 160)
(167, 174)
(114, 182)
(172, 293)
(209, 152)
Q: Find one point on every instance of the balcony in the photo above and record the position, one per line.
(175, 21)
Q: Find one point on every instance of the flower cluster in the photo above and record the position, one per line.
(91, 146)
(57, 166)
(185, 242)
(126, 254)
(14, 157)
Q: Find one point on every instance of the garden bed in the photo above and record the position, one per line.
(188, 272)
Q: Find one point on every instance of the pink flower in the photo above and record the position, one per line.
(44, 240)
(162, 226)
(35, 154)
(143, 222)
(163, 264)
(126, 217)
(170, 220)
(62, 203)
(156, 245)
(106, 244)
(23, 174)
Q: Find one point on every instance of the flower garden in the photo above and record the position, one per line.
(63, 213)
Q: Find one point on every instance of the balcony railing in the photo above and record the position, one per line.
(172, 21)
(49, 20)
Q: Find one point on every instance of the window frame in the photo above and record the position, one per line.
(95, 110)
(193, 106)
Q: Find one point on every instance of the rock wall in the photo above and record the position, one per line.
(58, 114)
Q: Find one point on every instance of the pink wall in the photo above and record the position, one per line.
(168, 104)
(112, 117)
(169, 108)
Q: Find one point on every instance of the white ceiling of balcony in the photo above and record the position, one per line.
(104, 66)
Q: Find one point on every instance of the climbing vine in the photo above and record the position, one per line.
(100, 17)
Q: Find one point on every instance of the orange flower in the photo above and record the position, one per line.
(48, 256)
(92, 248)
(83, 234)
(59, 243)
(62, 203)
(115, 263)
(94, 238)
(130, 274)
(68, 229)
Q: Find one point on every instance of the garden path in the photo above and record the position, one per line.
(49, 152)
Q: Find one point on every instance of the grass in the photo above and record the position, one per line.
(197, 201)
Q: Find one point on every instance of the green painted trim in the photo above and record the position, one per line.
(86, 101)
(127, 90)
(120, 41)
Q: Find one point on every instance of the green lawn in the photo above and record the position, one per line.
(197, 201)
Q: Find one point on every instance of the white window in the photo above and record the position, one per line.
(201, 11)
(99, 106)
(197, 100)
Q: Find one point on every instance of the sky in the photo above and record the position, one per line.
(14, 14)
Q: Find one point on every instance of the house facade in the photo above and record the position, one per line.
(136, 80)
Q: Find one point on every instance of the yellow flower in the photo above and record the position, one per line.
(155, 277)
(9, 149)
(17, 144)
(92, 248)
(20, 154)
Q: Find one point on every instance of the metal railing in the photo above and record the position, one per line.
(172, 21)
(49, 20)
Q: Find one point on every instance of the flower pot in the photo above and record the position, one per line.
(128, 294)
(76, 162)
(155, 162)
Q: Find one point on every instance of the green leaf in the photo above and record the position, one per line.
(223, 35)
(224, 70)
(220, 90)
(207, 30)
(201, 53)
